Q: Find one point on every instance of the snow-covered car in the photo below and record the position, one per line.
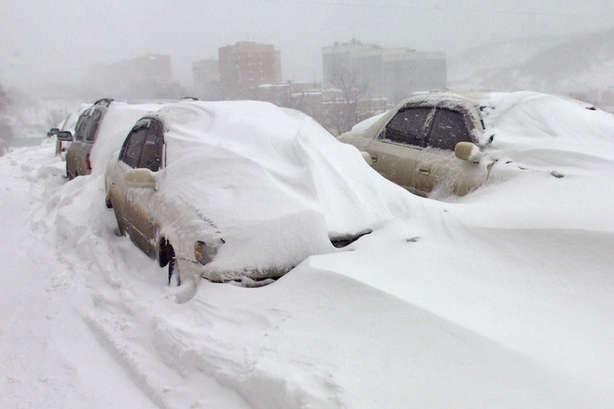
(106, 120)
(86, 130)
(437, 144)
(241, 191)
(67, 127)
(424, 141)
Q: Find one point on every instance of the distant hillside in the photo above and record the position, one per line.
(580, 65)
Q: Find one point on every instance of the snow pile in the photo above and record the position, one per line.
(530, 120)
(115, 126)
(273, 182)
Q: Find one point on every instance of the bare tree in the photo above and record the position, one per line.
(343, 113)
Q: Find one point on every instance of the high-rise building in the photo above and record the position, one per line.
(406, 71)
(353, 67)
(206, 77)
(370, 71)
(147, 76)
(245, 65)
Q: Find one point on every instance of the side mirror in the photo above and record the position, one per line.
(141, 177)
(467, 151)
(64, 136)
(367, 157)
(52, 132)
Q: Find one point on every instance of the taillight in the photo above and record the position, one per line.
(87, 162)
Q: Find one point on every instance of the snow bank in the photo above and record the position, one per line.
(116, 123)
(273, 182)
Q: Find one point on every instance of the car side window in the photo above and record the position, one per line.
(409, 126)
(151, 158)
(81, 126)
(131, 151)
(92, 127)
(448, 129)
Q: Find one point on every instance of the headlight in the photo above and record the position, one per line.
(203, 253)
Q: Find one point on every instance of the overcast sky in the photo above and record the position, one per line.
(55, 40)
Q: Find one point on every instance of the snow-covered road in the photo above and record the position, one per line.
(466, 305)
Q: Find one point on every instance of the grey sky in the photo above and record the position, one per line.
(47, 40)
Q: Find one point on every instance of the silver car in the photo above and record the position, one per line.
(427, 143)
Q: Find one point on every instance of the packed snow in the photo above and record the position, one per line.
(498, 299)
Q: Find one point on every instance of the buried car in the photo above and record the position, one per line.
(242, 191)
(426, 140)
(437, 144)
(105, 120)
(86, 130)
(67, 127)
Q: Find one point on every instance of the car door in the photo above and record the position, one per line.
(396, 149)
(73, 151)
(86, 143)
(140, 210)
(437, 164)
(119, 193)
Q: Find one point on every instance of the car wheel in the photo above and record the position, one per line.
(173, 268)
(108, 203)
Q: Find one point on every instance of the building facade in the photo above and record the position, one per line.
(206, 79)
(370, 71)
(147, 76)
(246, 65)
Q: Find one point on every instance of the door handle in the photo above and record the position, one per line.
(425, 172)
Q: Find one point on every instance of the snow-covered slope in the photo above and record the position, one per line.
(578, 64)
(500, 299)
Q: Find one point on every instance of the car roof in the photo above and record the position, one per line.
(468, 103)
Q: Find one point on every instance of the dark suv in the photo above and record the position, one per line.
(78, 155)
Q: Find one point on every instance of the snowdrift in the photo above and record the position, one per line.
(526, 122)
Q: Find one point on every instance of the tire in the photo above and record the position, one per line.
(173, 269)
(107, 203)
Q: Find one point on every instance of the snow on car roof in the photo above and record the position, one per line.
(119, 118)
(274, 182)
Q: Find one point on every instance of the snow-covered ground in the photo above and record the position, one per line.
(500, 299)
